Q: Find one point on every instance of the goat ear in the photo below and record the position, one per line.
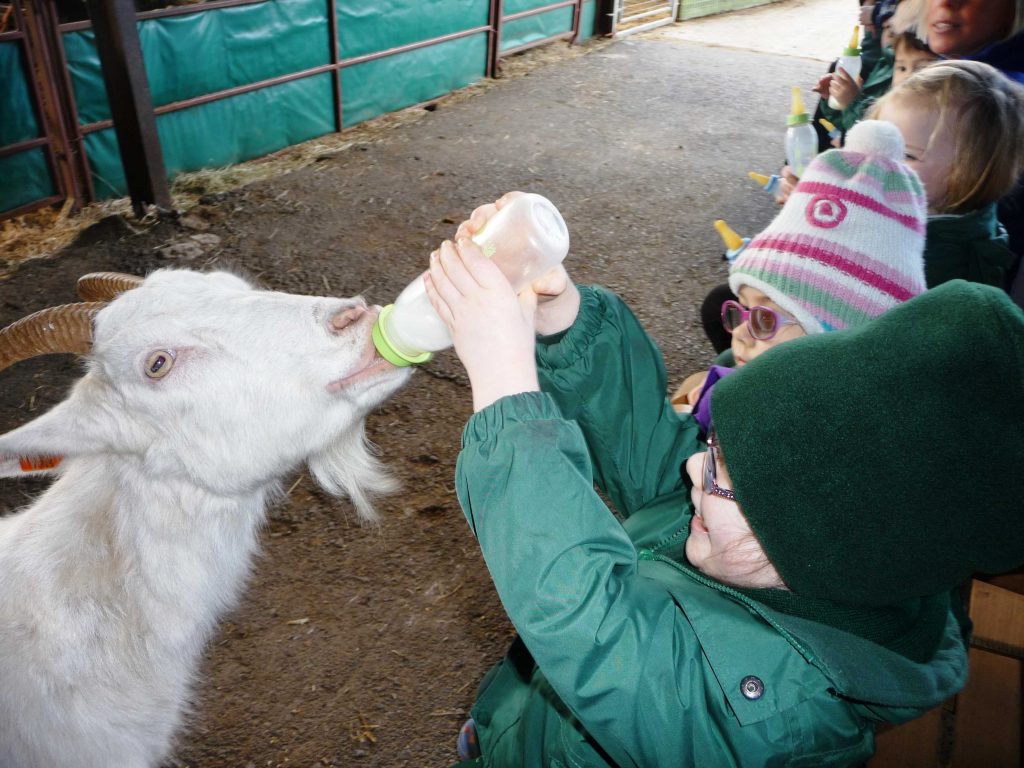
(38, 448)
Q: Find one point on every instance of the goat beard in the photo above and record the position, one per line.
(350, 467)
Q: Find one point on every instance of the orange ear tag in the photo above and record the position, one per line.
(37, 463)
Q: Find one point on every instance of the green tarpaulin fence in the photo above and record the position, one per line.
(197, 54)
(24, 176)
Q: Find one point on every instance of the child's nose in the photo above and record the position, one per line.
(742, 332)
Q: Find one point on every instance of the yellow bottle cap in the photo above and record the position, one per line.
(760, 178)
(828, 126)
(732, 240)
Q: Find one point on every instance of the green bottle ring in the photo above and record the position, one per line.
(386, 348)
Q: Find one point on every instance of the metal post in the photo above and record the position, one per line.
(335, 54)
(124, 73)
(496, 10)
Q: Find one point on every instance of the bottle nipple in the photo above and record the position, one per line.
(853, 49)
(830, 128)
(732, 240)
(769, 183)
(797, 111)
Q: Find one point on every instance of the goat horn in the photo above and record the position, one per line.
(67, 328)
(103, 286)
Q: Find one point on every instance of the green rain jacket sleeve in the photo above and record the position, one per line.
(606, 374)
(612, 644)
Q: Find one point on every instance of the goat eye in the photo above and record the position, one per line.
(159, 364)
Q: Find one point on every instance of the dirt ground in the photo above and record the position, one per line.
(358, 646)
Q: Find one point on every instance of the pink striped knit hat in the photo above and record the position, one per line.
(849, 242)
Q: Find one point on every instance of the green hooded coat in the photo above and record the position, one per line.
(973, 246)
(626, 655)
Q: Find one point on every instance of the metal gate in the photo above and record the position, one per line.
(43, 138)
(632, 16)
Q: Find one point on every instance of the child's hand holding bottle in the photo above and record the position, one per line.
(843, 89)
(558, 301)
(492, 327)
(786, 185)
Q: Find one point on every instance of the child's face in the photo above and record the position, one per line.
(908, 60)
(961, 27)
(929, 142)
(744, 346)
(721, 543)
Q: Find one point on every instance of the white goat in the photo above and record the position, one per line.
(200, 395)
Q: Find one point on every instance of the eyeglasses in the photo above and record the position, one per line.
(710, 469)
(762, 322)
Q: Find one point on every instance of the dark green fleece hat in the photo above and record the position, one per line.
(885, 462)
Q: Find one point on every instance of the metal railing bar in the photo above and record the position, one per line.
(238, 90)
(656, 12)
(644, 27)
(211, 5)
(29, 207)
(413, 46)
(74, 26)
(535, 11)
(24, 146)
(534, 43)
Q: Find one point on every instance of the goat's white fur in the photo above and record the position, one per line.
(113, 580)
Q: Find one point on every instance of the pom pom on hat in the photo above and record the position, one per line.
(849, 242)
(875, 137)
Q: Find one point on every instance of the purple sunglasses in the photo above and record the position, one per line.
(762, 322)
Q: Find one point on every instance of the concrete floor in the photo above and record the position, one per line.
(813, 29)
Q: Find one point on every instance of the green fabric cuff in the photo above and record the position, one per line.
(525, 406)
(564, 349)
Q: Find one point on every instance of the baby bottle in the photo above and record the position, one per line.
(801, 139)
(850, 61)
(526, 238)
(734, 244)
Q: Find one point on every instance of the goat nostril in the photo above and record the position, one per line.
(346, 317)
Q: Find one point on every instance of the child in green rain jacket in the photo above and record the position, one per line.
(750, 609)
(963, 125)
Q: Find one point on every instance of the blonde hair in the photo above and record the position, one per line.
(986, 116)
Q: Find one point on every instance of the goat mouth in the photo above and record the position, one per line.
(372, 367)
